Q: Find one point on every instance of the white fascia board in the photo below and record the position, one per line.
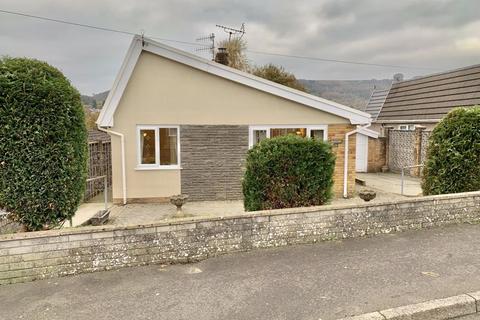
(368, 133)
(353, 115)
(105, 119)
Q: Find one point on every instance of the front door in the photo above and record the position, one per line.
(361, 158)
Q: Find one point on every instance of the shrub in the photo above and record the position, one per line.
(43, 149)
(453, 154)
(286, 172)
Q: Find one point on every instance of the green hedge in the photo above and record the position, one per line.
(43, 143)
(453, 154)
(286, 172)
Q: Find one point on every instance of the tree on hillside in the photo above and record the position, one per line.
(279, 75)
(236, 53)
(237, 59)
(91, 117)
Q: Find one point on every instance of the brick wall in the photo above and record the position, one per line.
(336, 135)
(376, 154)
(212, 161)
(46, 254)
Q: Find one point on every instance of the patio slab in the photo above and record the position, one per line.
(147, 213)
(391, 183)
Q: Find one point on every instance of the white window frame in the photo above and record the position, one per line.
(156, 165)
(267, 128)
(406, 127)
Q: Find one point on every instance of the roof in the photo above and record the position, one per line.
(432, 97)
(140, 44)
(375, 103)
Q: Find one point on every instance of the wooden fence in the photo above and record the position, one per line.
(99, 164)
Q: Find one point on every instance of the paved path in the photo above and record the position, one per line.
(323, 281)
(145, 213)
(391, 183)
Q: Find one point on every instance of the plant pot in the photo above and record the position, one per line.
(367, 195)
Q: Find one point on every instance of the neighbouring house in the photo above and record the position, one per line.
(412, 108)
(370, 149)
(183, 124)
(424, 101)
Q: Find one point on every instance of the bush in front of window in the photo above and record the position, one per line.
(453, 154)
(286, 172)
(43, 144)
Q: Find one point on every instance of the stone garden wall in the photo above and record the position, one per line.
(46, 254)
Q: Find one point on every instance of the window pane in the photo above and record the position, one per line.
(168, 146)
(259, 135)
(316, 134)
(147, 146)
(302, 132)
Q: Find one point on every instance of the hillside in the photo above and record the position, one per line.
(353, 93)
(95, 101)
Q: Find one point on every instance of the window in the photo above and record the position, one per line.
(259, 133)
(158, 147)
(317, 134)
(147, 146)
(406, 127)
(275, 132)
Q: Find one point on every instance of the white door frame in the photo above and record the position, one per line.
(361, 167)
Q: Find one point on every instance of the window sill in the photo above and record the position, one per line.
(158, 168)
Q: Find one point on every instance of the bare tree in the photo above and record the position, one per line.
(236, 53)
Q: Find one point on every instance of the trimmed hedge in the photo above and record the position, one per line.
(287, 172)
(43, 144)
(453, 154)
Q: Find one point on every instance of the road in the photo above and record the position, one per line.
(323, 281)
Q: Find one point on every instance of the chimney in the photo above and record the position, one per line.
(397, 77)
(222, 56)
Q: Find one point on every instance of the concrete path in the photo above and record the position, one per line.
(391, 183)
(324, 281)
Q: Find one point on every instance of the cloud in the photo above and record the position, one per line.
(438, 33)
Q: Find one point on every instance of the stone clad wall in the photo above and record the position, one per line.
(212, 158)
(401, 149)
(46, 254)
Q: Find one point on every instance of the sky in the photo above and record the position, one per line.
(429, 35)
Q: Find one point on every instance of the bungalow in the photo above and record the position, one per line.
(183, 124)
(417, 103)
(424, 101)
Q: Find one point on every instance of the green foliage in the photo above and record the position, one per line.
(43, 143)
(453, 154)
(279, 75)
(288, 171)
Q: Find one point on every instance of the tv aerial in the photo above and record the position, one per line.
(232, 31)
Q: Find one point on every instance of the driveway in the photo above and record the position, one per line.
(325, 281)
(390, 182)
